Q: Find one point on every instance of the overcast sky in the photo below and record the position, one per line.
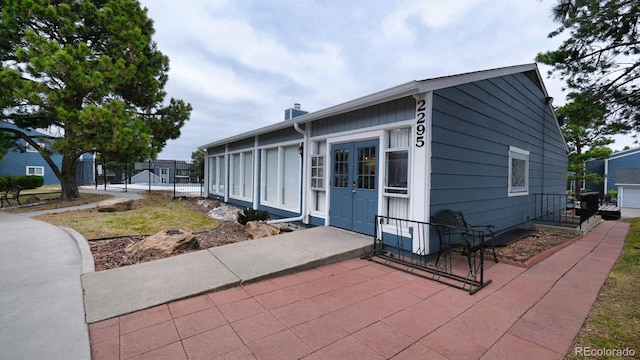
(241, 63)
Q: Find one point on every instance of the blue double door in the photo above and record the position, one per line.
(354, 186)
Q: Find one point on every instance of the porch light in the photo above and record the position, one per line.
(301, 149)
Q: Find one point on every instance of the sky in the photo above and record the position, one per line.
(241, 63)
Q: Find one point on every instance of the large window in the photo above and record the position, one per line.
(281, 175)
(217, 174)
(241, 183)
(35, 170)
(518, 171)
(397, 162)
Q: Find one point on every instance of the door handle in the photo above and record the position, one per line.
(353, 189)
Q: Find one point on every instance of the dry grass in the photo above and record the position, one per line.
(155, 212)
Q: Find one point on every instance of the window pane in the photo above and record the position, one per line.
(397, 171)
(235, 176)
(222, 174)
(518, 167)
(213, 180)
(248, 174)
(366, 168)
(399, 138)
(271, 172)
(291, 177)
(341, 168)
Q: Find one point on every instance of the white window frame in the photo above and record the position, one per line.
(219, 186)
(523, 155)
(280, 178)
(41, 168)
(401, 191)
(242, 194)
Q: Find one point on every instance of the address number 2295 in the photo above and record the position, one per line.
(421, 115)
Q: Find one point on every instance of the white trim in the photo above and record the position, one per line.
(34, 167)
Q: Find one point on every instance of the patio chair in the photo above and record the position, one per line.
(455, 233)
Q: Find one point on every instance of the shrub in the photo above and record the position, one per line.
(251, 215)
(613, 193)
(24, 181)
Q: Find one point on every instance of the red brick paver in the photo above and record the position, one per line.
(362, 309)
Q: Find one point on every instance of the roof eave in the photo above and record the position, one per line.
(390, 94)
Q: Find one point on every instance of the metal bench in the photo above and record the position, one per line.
(455, 233)
(11, 192)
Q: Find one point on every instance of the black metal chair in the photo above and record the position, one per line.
(455, 233)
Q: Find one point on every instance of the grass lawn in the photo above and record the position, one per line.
(614, 321)
(155, 212)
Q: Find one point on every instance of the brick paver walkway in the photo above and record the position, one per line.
(360, 309)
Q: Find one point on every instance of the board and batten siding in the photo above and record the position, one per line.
(473, 127)
(379, 114)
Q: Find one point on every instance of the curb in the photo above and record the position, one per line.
(86, 264)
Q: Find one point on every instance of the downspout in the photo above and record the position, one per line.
(304, 216)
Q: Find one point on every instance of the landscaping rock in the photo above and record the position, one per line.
(257, 229)
(115, 204)
(163, 243)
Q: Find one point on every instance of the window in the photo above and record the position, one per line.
(318, 196)
(397, 162)
(281, 174)
(317, 172)
(35, 170)
(518, 171)
(216, 174)
(242, 174)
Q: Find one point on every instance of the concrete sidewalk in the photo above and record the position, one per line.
(120, 291)
(41, 305)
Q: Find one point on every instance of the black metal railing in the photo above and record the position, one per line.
(564, 210)
(405, 245)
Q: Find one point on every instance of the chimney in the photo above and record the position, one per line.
(293, 112)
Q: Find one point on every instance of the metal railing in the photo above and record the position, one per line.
(563, 210)
(404, 245)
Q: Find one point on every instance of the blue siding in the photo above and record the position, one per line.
(215, 150)
(15, 163)
(385, 113)
(242, 144)
(597, 167)
(617, 162)
(473, 126)
(283, 135)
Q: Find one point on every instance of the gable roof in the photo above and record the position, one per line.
(394, 93)
(628, 176)
(29, 132)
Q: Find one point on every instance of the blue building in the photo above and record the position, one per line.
(30, 162)
(483, 143)
(620, 172)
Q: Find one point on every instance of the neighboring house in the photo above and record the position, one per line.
(145, 177)
(164, 171)
(29, 162)
(482, 142)
(618, 171)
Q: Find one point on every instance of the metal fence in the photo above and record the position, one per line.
(180, 177)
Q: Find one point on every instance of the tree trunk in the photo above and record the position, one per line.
(68, 179)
